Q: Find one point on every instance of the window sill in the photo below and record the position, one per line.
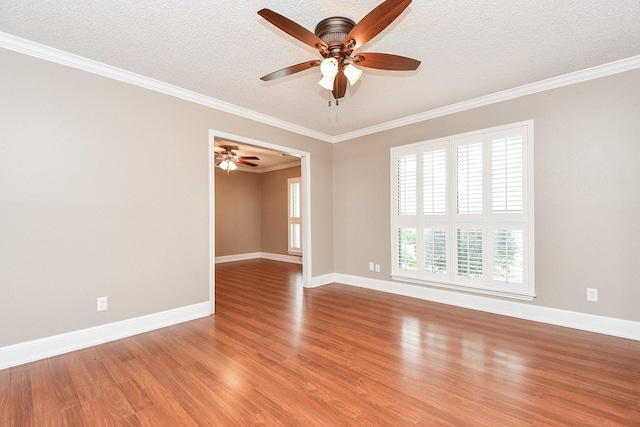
(520, 295)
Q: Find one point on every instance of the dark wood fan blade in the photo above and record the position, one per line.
(291, 70)
(375, 21)
(339, 85)
(249, 158)
(246, 163)
(385, 61)
(294, 30)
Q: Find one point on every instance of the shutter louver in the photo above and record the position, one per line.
(407, 256)
(434, 187)
(407, 180)
(507, 175)
(469, 178)
(294, 232)
(294, 202)
(295, 215)
(508, 260)
(435, 250)
(469, 245)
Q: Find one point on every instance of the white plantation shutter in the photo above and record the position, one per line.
(407, 179)
(294, 239)
(507, 168)
(434, 186)
(435, 250)
(294, 198)
(405, 236)
(469, 253)
(508, 220)
(407, 249)
(434, 210)
(508, 256)
(462, 212)
(295, 215)
(469, 178)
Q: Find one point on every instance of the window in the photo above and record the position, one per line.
(462, 211)
(295, 216)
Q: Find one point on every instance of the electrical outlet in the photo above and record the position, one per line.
(103, 304)
(377, 268)
(592, 294)
(370, 266)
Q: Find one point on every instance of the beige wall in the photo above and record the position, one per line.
(587, 191)
(104, 191)
(251, 211)
(238, 212)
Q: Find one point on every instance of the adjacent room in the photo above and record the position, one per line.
(301, 213)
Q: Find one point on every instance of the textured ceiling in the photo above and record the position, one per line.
(468, 49)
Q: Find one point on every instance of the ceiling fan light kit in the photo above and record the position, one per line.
(229, 159)
(353, 74)
(329, 69)
(228, 165)
(336, 38)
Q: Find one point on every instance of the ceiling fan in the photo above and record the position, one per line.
(336, 38)
(228, 158)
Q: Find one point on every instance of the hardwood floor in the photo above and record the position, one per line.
(332, 356)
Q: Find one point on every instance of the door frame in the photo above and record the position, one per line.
(305, 163)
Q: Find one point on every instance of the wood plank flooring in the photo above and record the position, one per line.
(332, 356)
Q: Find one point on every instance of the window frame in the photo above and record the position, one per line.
(488, 221)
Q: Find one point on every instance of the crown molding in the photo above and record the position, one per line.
(620, 66)
(47, 53)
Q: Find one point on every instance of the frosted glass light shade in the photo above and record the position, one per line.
(329, 67)
(228, 166)
(352, 73)
(327, 82)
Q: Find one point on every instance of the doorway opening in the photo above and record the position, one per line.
(219, 139)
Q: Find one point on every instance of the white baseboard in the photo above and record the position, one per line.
(238, 257)
(322, 280)
(255, 255)
(18, 354)
(284, 258)
(583, 321)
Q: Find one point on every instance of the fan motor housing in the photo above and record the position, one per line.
(333, 31)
